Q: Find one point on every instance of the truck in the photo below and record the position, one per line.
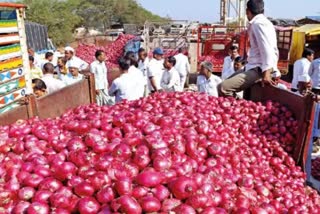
(15, 79)
(214, 41)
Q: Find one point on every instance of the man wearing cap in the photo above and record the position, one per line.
(304, 85)
(69, 54)
(276, 76)
(182, 66)
(263, 54)
(206, 81)
(52, 83)
(73, 75)
(155, 71)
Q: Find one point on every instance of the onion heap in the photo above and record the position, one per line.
(113, 51)
(169, 152)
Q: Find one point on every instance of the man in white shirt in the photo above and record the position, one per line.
(137, 75)
(52, 83)
(314, 73)
(99, 69)
(182, 66)
(48, 58)
(276, 76)
(227, 69)
(123, 88)
(301, 67)
(263, 54)
(73, 76)
(143, 61)
(37, 58)
(71, 58)
(155, 70)
(170, 81)
(206, 81)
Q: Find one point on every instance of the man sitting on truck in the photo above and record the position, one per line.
(70, 57)
(263, 55)
(52, 83)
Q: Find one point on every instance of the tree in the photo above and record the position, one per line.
(57, 15)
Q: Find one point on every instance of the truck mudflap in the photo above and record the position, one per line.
(315, 134)
(303, 109)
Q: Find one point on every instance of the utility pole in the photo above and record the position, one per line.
(233, 11)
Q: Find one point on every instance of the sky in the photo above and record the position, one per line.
(208, 10)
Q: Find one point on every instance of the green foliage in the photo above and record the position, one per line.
(57, 15)
(63, 16)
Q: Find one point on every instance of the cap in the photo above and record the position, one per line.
(158, 51)
(304, 78)
(73, 64)
(207, 65)
(68, 48)
(276, 73)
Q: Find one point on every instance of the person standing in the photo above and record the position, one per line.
(170, 81)
(228, 68)
(71, 58)
(99, 69)
(155, 70)
(143, 62)
(123, 88)
(314, 73)
(137, 75)
(182, 66)
(206, 81)
(301, 67)
(52, 83)
(36, 72)
(263, 54)
(48, 59)
(61, 68)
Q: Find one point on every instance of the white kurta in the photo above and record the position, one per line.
(300, 67)
(139, 81)
(171, 81)
(183, 67)
(52, 83)
(69, 79)
(208, 86)
(123, 88)
(76, 60)
(155, 69)
(99, 70)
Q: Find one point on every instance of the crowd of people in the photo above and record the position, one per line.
(140, 75)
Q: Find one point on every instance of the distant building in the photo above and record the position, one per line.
(309, 20)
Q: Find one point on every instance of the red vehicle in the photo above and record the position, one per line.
(214, 42)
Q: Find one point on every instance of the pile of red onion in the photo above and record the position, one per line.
(113, 51)
(216, 60)
(170, 152)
